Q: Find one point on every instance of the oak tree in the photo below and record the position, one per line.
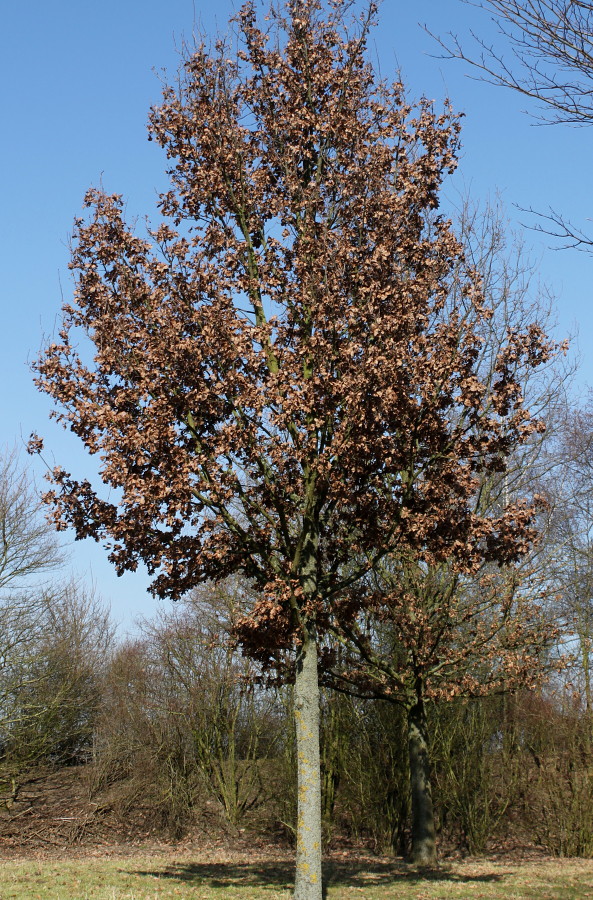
(432, 630)
(272, 374)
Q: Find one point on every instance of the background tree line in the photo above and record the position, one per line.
(179, 724)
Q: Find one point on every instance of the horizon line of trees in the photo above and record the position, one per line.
(175, 727)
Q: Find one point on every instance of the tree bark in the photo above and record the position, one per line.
(423, 831)
(332, 741)
(308, 880)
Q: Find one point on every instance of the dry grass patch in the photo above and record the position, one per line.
(202, 875)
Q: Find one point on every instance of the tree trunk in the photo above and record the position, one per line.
(308, 883)
(423, 832)
(333, 737)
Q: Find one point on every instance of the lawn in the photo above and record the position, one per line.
(224, 876)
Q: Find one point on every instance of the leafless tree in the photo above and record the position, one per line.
(28, 543)
(551, 62)
(52, 635)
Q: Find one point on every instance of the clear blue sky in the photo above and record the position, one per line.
(78, 79)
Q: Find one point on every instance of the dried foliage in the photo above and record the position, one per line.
(471, 630)
(277, 379)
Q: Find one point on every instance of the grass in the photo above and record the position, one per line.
(202, 876)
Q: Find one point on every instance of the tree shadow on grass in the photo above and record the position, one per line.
(281, 875)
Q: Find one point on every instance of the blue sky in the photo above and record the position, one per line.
(78, 79)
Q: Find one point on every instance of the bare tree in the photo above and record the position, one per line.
(52, 636)
(571, 499)
(183, 718)
(54, 650)
(28, 543)
(552, 55)
(551, 62)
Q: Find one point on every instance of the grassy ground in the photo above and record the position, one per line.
(203, 876)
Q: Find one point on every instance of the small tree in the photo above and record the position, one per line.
(570, 494)
(28, 544)
(474, 623)
(431, 633)
(273, 375)
(29, 551)
(50, 682)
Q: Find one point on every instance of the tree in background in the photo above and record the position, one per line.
(433, 633)
(53, 639)
(552, 46)
(468, 626)
(282, 385)
(570, 493)
(28, 544)
(551, 43)
(57, 643)
(29, 551)
(184, 722)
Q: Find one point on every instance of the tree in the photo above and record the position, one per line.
(552, 45)
(570, 492)
(55, 648)
(433, 630)
(212, 692)
(51, 636)
(182, 719)
(552, 62)
(272, 380)
(29, 545)
(28, 550)
(432, 633)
